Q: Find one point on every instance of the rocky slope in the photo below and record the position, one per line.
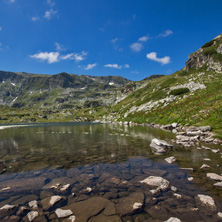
(58, 91)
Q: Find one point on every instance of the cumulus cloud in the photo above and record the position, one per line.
(153, 56)
(126, 66)
(90, 66)
(143, 38)
(50, 57)
(48, 14)
(136, 46)
(166, 33)
(35, 18)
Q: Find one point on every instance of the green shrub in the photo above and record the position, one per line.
(180, 91)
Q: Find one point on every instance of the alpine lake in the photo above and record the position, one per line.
(92, 172)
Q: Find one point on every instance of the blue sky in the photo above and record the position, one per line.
(131, 38)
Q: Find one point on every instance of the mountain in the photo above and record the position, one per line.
(22, 90)
(192, 95)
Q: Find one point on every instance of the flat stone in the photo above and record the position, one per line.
(173, 219)
(206, 201)
(7, 207)
(170, 159)
(65, 187)
(54, 200)
(128, 205)
(214, 176)
(63, 213)
(204, 128)
(32, 215)
(204, 166)
(218, 184)
(159, 182)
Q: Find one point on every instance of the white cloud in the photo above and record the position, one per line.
(153, 56)
(90, 66)
(50, 57)
(0, 28)
(11, 1)
(143, 38)
(115, 66)
(50, 13)
(59, 47)
(166, 33)
(135, 72)
(136, 47)
(50, 2)
(35, 18)
(75, 56)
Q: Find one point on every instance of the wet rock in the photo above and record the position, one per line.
(50, 201)
(173, 219)
(170, 159)
(204, 166)
(103, 218)
(65, 187)
(160, 146)
(205, 201)
(159, 182)
(33, 204)
(70, 219)
(63, 213)
(21, 211)
(128, 205)
(218, 184)
(84, 210)
(214, 176)
(7, 207)
(32, 215)
(25, 184)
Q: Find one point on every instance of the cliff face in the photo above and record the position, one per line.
(208, 56)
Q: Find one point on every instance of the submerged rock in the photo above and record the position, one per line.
(214, 176)
(32, 215)
(170, 159)
(63, 213)
(160, 146)
(206, 201)
(7, 207)
(159, 182)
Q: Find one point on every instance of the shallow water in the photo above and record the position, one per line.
(104, 164)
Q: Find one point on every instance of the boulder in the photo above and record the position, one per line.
(63, 213)
(160, 146)
(159, 182)
(32, 215)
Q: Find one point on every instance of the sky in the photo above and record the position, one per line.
(129, 38)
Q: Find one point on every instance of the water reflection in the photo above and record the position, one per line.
(109, 159)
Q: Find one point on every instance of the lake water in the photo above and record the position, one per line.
(96, 171)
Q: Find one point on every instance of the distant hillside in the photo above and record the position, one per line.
(63, 90)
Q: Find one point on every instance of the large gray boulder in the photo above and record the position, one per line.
(160, 146)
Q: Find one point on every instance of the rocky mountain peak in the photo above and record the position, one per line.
(209, 56)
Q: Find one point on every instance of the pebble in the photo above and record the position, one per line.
(137, 206)
(33, 204)
(173, 219)
(170, 159)
(65, 187)
(190, 178)
(54, 199)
